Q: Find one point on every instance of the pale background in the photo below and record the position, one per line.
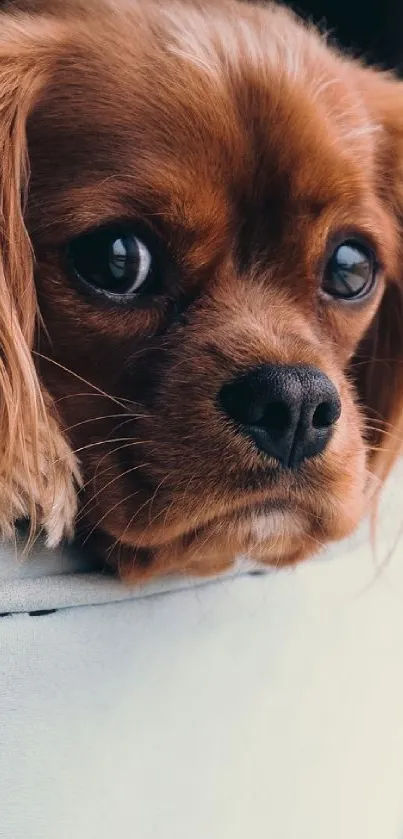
(263, 707)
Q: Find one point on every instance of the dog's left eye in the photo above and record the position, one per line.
(114, 261)
(350, 272)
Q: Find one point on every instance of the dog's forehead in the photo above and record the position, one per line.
(200, 105)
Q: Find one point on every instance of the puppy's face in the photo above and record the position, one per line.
(213, 242)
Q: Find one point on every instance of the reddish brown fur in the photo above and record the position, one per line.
(245, 143)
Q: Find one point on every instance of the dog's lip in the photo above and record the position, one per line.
(252, 511)
(240, 511)
(236, 514)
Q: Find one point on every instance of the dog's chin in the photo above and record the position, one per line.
(268, 535)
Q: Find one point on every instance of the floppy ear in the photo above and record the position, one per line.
(378, 365)
(37, 469)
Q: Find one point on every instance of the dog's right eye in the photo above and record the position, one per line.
(351, 271)
(115, 261)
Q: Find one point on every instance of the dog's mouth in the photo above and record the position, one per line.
(267, 534)
(271, 532)
(271, 513)
(276, 522)
(246, 522)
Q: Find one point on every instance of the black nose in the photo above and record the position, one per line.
(289, 412)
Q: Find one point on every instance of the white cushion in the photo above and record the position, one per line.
(267, 707)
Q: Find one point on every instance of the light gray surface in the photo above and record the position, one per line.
(265, 707)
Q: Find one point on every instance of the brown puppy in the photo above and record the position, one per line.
(201, 282)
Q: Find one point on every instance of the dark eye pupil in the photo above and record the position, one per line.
(112, 261)
(350, 272)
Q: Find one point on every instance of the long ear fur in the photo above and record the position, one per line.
(37, 469)
(378, 369)
(378, 366)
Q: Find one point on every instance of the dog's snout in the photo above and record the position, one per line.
(288, 411)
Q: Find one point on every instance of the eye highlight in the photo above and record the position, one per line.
(113, 260)
(351, 271)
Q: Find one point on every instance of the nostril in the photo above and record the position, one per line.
(326, 414)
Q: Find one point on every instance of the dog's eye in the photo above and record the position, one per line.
(115, 261)
(350, 272)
